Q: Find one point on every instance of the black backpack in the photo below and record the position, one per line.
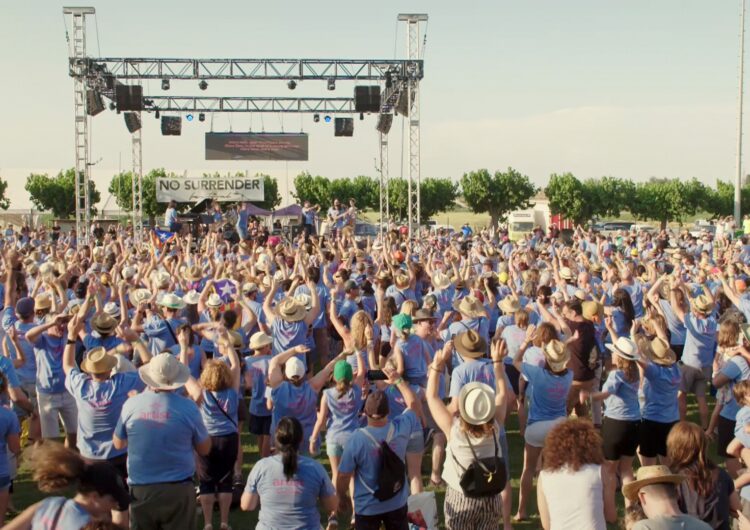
(392, 475)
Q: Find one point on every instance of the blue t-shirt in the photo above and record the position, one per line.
(27, 372)
(480, 370)
(321, 320)
(413, 351)
(287, 335)
(48, 350)
(217, 423)
(299, 402)
(344, 414)
(161, 429)
(736, 369)
(547, 393)
(623, 402)
(9, 371)
(289, 504)
(347, 310)
(72, 515)
(194, 362)
(99, 406)
(660, 392)
(8, 426)
(94, 340)
(743, 420)
(158, 331)
(676, 327)
(257, 370)
(700, 341)
(362, 458)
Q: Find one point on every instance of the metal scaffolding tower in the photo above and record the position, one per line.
(78, 68)
(412, 100)
(137, 184)
(385, 205)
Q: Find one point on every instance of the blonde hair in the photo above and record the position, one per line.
(729, 333)
(216, 376)
(359, 324)
(409, 307)
(521, 318)
(629, 368)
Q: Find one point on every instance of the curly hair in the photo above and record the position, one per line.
(572, 444)
(216, 376)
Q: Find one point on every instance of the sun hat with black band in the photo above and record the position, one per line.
(259, 340)
(98, 361)
(625, 348)
(647, 475)
(470, 344)
(476, 403)
(164, 372)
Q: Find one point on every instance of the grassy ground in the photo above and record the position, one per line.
(27, 494)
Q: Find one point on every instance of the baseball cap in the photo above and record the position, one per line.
(350, 285)
(377, 404)
(342, 371)
(25, 307)
(402, 322)
(294, 368)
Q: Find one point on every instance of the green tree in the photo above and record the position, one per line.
(608, 196)
(720, 202)
(666, 200)
(58, 194)
(121, 188)
(436, 195)
(4, 201)
(497, 194)
(315, 189)
(569, 197)
(366, 191)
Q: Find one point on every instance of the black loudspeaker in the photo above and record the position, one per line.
(171, 125)
(94, 103)
(344, 127)
(367, 98)
(129, 97)
(384, 123)
(132, 121)
(402, 105)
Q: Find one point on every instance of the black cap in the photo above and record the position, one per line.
(103, 478)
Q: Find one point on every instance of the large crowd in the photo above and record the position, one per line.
(130, 368)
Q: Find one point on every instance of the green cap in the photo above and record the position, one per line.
(342, 370)
(402, 322)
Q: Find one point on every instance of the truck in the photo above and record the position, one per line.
(522, 222)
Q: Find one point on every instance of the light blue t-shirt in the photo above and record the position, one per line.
(289, 504)
(27, 372)
(48, 351)
(736, 369)
(700, 341)
(362, 458)
(622, 404)
(743, 420)
(257, 369)
(479, 370)
(99, 406)
(299, 402)
(676, 327)
(344, 414)
(8, 425)
(9, 371)
(547, 393)
(217, 423)
(72, 515)
(413, 351)
(287, 335)
(660, 392)
(161, 429)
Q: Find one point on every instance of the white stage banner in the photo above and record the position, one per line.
(228, 189)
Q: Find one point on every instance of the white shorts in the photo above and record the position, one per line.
(537, 431)
(54, 407)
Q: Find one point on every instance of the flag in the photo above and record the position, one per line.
(162, 237)
(225, 289)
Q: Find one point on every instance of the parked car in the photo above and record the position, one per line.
(366, 229)
(614, 227)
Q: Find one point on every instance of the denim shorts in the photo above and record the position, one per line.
(4, 482)
(416, 442)
(334, 449)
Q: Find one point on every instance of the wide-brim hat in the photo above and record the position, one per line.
(98, 361)
(509, 304)
(557, 355)
(625, 348)
(440, 280)
(566, 273)
(647, 475)
(661, 353)
(305, 300)
(214, 300)
(476, 403)
(164, 372)
(194, 273)
(42, 301)
(469, 306)
(138, 295)
(703, 304)
(192, 297)
(383, 276)
(162, 278)
(260, 340)
(112, 309)
(103, 323)
(128, 272)
(291, 310)
(592, 309)
(422, 314)
(401, 281)
(470, 344)
(172, 301)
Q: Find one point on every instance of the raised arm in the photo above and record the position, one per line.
(498, 351)
(439, 411)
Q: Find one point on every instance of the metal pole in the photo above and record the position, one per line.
(738, 174)
(384, 200)
(137, 184)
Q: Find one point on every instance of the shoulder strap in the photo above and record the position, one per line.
(171, 331)
(367, 433)
(218, 405)
(58, 513)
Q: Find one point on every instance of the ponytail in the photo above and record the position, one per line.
(288, 439)
(342, 387)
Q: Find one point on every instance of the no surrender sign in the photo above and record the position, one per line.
(221, 189)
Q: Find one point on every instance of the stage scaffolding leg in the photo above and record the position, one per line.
(137, 183)
(384, 184)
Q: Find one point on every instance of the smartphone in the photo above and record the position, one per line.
(376, 375)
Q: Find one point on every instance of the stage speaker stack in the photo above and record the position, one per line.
(129, 97)
(367, 98)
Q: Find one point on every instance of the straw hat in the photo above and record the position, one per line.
(661, 353)
(291, 310)
(401, 281)
(112, 309)
(128, 272)
(647, 475)
(164, 372)
(214, 300)
(703, 304)
(566, 273)
(42, 301)
(172, 301)
(440, 280)
(592, 309)
(192, 297)
(97, 361)
(259, 340)
(476, 403)
(249, 287)
(138, 295)
(103, 323)
(509, 304)
(469, 306)
(557, 355)
(596, 267)
(194, 273)
(470, 344)
(161, 278)
(625, 348)
(304, 300)
(580, 294)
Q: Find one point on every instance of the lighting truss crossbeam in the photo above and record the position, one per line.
(250, 104)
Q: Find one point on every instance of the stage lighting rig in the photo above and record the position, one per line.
(292, 84)
(203, 85)
(165, 84)
(201, 117)
(331, 83)
(316, 118)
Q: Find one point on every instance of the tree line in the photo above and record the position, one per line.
(493, 193)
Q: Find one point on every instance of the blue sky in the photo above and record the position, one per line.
(633, 89)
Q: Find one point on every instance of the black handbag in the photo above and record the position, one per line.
(484, 477)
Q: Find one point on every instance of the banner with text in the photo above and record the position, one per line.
(256, 146)
(227, 189)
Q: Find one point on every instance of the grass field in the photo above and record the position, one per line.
(26, 492)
